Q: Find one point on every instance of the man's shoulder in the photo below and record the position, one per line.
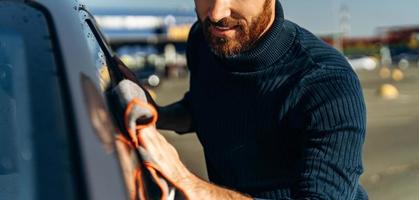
(318, 50)
(325, 62)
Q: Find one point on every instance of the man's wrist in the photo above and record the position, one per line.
(195, 188)
(190, 185)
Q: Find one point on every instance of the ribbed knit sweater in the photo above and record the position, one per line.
(284, 120)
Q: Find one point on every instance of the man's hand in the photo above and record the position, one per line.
(163, 155)
(175, 117)
(167, 160)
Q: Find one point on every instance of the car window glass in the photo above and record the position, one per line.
(101, 64)
(9, 60)
(127, 157)
(34, 139)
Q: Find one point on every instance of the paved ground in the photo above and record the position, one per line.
(391, 152)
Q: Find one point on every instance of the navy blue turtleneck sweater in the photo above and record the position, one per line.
(284, 120)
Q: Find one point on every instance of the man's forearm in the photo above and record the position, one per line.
(175, 117)
(195, 188)
(166, 159)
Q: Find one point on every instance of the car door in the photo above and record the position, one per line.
(37, 159)
(109, 75)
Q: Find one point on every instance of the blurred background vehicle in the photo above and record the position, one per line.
(362, 62)
(405, 60)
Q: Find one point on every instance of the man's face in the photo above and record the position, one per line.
(233, 26)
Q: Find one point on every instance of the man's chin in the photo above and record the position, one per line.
(225, 52)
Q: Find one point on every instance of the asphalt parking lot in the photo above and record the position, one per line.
(391, 151)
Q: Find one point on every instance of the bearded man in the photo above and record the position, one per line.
(280, 114)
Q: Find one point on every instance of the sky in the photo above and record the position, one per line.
(318, 16)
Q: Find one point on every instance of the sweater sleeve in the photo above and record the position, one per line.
(333, 136)
(185, 102)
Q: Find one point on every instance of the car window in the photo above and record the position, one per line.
(97, 53)
(130, 160)
(9, 60)
(127, 156)
(34, 144)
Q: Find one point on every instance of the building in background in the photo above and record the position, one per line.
(402, 42)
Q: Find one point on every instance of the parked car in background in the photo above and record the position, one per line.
(405, 60)
(362, 62)
(141, 60)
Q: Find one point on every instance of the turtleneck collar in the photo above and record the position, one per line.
(269, 49)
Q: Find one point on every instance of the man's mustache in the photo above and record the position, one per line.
(225, 22)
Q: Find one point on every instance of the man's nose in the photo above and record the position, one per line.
(219, 9)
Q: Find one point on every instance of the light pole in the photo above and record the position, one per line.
(344, 24)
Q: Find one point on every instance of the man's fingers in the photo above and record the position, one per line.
(145, 140)
(153, 143)
(146, 136)
(145, 155)
(156, 144)
(162, 154)
(152, 136)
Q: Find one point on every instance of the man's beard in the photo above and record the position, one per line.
(245, 36)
